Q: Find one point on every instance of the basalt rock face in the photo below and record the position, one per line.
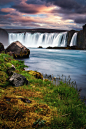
(4, 37)
(18, 50)
(1, 47)
(80, 39)
(84, 34)
(69, 36)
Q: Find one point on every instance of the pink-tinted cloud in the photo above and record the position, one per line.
(31, 8)
(7, 10)
(42, 13)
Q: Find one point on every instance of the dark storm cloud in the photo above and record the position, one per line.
(38, 2)
(12, 11)
(2, 2)
(70, 9)
(69, 6)
(80, 20)
(23, 9)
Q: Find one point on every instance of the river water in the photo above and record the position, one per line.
(58, 62)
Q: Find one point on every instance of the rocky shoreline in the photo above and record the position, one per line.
(16, 49)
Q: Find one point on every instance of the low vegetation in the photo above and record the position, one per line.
(40, 104)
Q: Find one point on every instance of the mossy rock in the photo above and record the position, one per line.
(46, 80)
(37, 75)
(17, 50)
(3, 78)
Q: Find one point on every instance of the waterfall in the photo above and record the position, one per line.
(73, 40)
(40, 39)
(16, 37)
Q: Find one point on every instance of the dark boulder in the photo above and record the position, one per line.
(4, 37)
(18, 80)
(1, 47)
(49, 47)
(18, 50)
(40, 47)
(69, 36)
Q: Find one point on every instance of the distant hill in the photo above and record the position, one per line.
(41, 30)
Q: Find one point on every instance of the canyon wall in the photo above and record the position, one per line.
(4, 37)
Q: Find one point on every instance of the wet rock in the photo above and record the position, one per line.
(40, 47)
(18, 50)
(49, 47)
(18, 80)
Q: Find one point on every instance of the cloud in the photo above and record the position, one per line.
(70, 9)
(38, 2)
(70, 6)
(55, 14)
(80, 20)
(7, 10)
(32, 8)
(2, 2)
(26, 8)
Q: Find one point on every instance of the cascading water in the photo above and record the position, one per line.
(40, 39)
(73, 40)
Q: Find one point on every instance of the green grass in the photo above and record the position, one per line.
(68, 112)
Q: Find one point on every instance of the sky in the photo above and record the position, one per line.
(49, 14)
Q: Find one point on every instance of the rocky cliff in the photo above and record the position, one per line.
(4, 37)
(81, 38)
(84, 34)
(69, 36)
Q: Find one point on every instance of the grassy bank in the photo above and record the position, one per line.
(50, 106)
